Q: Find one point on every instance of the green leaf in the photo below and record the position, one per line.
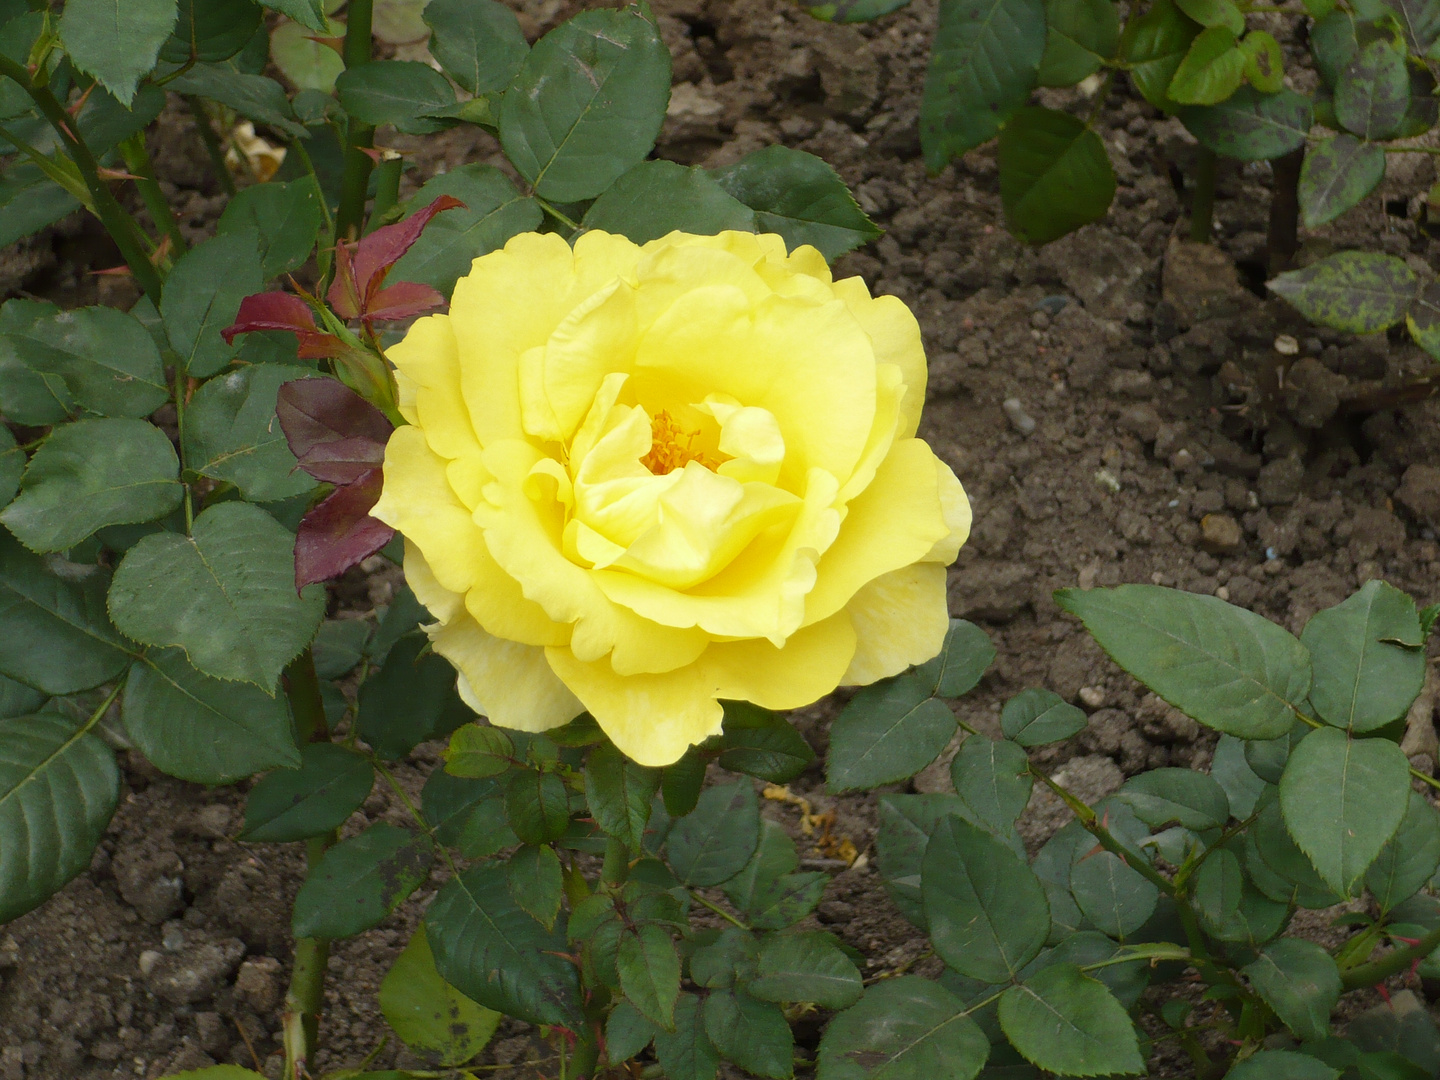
(233, 435)
(1218, 890)
(619, 794)
(202, 729)
(1299, 980)
(1211, 13)
(1373, 92)
(360, 881)
(1063, 1021)
(964, 658)
(29, 201)
(1211, 70)
(1111, 894)
(308, 13)
(1081, 35)
(58, 788)
(1333, 45)
(1282, 1065)
(467, 814)
(1226, 667)
(217, 1072)
(1343, 798)
(587, 104)
(1278, 867)
(478, 42)
(255, 97)
(984, 61)
(985, 908)
(853, 11)
(906, 822)
(993, 777)
(887, 732)
(117, 41)
(1054, 174)
(806, 966)
(17, 699)
(907, 1028)
(800, 197)
(225, 594)
(1409, 858)
(687, 1053)
(1177, 796)
(753, 1034)
(410, 699)
(1036, 717)
(104, 123)
(537, 882)
(768, 890)
(397, 92)
(1126, 981)
(1230, 770)
(681, 782)
(1369, 663)
(1251, 126)
(649, 971)
(658, 197)
(478, 750)
(1153, 46)
(494, 211)
(90, 474)
(211, 30)
(761, 743)
(296, 804)
(627, 1032)
(28, 396)
(203, 296)
(286, 217)
(339, 646)
(96, 359)
(537, 806)
(306, 62)
(1361, 292)
(729, 958)
(1336, 175)
(57, 637)
(713, 843)
(1264, 62)
(429, 1014)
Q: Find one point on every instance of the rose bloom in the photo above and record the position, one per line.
(640, 480)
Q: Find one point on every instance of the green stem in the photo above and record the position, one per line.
(138, 162)
(556, 214)
(1392, 963)
(387, 191)
(212, 144)
(303, 690)
(419, 818)
(355, 178)
(1202, 206)
(120, 225)
(305, 997)
(180, 387)
(717, 909)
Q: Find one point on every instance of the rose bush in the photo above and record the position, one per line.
(638, 480)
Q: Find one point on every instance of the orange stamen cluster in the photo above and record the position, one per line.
(672, 447)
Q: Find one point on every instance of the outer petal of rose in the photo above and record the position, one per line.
(512, 300)
(419, 502)
(525, 536)
(900, 619)
(429, 359)
(509, 682)
(892, 523)
(654, 718)
(956, 507)
(438, 600)
(896, 336)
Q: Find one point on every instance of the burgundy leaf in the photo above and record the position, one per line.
(339, 532)
(360, 269)
(282, 311)
(401, 300)
(335, 434)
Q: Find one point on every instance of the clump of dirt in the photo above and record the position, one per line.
(1115, 405)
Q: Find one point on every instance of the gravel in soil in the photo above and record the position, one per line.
(1121, 407)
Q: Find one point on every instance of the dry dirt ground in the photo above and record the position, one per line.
(1135, 367)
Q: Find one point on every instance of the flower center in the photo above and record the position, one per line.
(672, 447)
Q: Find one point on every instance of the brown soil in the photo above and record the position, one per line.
(1139, 407)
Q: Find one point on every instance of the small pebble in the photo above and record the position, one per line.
(173, 937)
(1053, 305)
(1286, 345)
(1107, 479)
(1271, 554)
(1092, 696)
(1222, 593)
(1019, 419)
(148, 959)
(1220, 534)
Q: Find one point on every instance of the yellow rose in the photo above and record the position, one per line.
(640, 480)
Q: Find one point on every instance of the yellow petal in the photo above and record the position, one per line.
(896, 337)
(900, 619)
(429, 361)
(892, 523)
(438, 600)
(956, 508)
(509, 682)
(595, 340)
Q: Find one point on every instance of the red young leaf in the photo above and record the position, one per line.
(282, 311)
(403, 299)
(340, 532)
(360, 269)
(335, 434)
